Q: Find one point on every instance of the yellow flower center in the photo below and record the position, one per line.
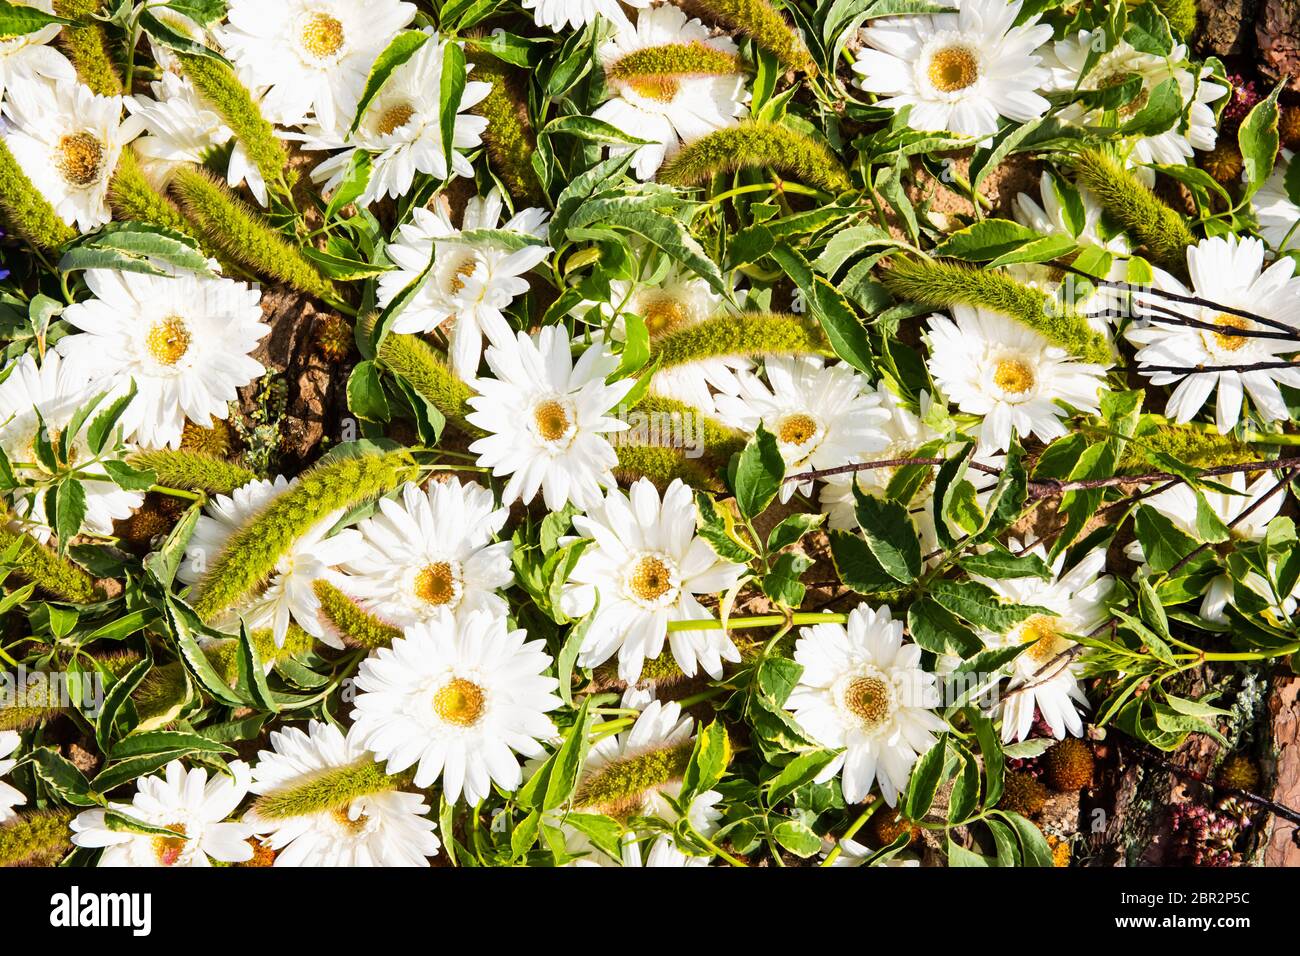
(868, 699)
(552, 420)
(168, 340)
(81, 159)
(436, 583)
(462, 272)
(169, 849)
(459, 702)
(1013, 376)
(1045, 635)
(797, 429)
(654, 86)
(650, 578)
(322, 35)
(953, 68)
(663, 314)
(340, 815)
(395, 117)
(1228, 342)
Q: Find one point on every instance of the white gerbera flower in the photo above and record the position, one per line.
(821, 415)
(184, 802)
(1077, 600)
(1228, 271)
(659, 728)
(67, 140)
(402, 130)
(862, 689)
(1277, 213)
(958, 71)
(288, 594)
(180, 129)
(576, 14)
(10, 797)
(646, 565)
(1247, 514)
(46, 393)
(1067, 59)
(458, 700)
(670, 111)
(29, 55)
(431, 555)
(378, 829)
(548, 418)
(471, 282)
(184, 340)
(313, 54)
(992, 366)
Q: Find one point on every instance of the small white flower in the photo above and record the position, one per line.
(184, 802)
(646, 565)
(992, 366)
(67, 140)
(288, 594)
(862, 689)
(1276, 212)
(471, 282)
(431, 554)
(822, 415)
(184, 340)
(958, 71)
(852, 853)
(557, 14)
(670, 111)
(1228, 271)
(457, 700)
(30, 55)
(379, 829)
(10, 797)
(180, 129)
(314, 55)
(49, 391)
(402, 130)
(547, 418)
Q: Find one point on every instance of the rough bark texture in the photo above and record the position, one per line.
(1277, 30)
(1225, 26)
(1284, 716)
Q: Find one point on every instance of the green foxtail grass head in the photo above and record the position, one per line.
(618, 788)
(223, 655)
(1181, 15)
(329, 791)
(760, 21)
(654, 71)
(350, 621)
(132, 197)
(251, 554)
(662, 465)
(1151, 223)
(510, 138)
(38, 838)
(29, 704)
(53, 574)
(416, 361)
(761, 146)
(1190, 444)
(750, 334)
(943, 284)
(720, 441)
(27, 213)
(192, 470)
(87, 46)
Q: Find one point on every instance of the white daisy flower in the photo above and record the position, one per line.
(184, 340)
(992, 366)
(180, 129)
(548, 418)
(646, 565)
(67, 140)
(557, 14)
(288, 594)
(30, 55)
(10, 797)
(314, 55)
(49, 391)
(377, 829)
(660, 727)
(431, 555)
(402, 130)
(1228, 271)
(1275, 211)
(958, 71)
(1067, 59)
(1077, 600)
(184, 802)
(457, 700)
(821, 415)
(863, 690)
(670, 111)
(852, 854)
(1178, 504)
(471, 282)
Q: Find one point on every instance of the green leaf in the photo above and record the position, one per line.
(1000, 563)
(925, 779)
(1257, 138)
(792, 529)
(797, 837)
(982, 606)
(856, 566)
(366, 397)
(400, 49)
(19, 19)
(135, 247)
(939, 631)
(758, 473)
(986, 239)
(708, 761)
(890, 535)
(451, 89)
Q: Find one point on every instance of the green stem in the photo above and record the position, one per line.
(852, 831)
(760, 620)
